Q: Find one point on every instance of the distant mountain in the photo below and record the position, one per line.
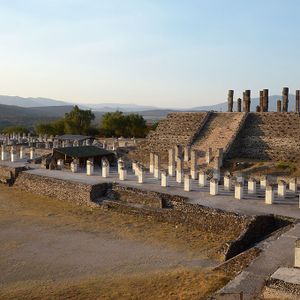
(254, 102)
(107, 107)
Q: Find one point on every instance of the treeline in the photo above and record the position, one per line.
(79, 121)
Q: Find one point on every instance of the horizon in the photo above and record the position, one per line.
(152, 54)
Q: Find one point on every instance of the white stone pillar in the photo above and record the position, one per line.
(186, 156)
(22, 153)
(141, 174)
(202, 178)
(89, 167)
(227, 183)
(3, 153)
(74, 166)
(214, 187)
(208, 155)
(123, 174)
(60, 163)
(105, 167)
(269, 199)
(187, 183)
(32, 150)
(164, 179)
(179, 170)
(238, 190)
(281, 191)
(194, 171)
(293, 185)
(171, 166)
(151, 166)
(156, 166)
(178, 152)
(120, 164)
(263, 182)
(134, 167)
(297, 254)
(251, 186)
(13, 154)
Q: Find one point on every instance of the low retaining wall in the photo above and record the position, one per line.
(9, 174)
(78, 193)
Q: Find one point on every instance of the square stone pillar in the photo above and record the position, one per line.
(120, 164)
(202, 178)
(89, 167)
(105, 167)
(151, 164)
(171, 165)
(22, 152)
(141, 174)
(13, 154)
(156, 166)
(227, 183)
(297, 254)
(281, 191)
(60, 164)
(187, 183)
(123, 174)
(214, 187)
(293, 185)
(263, 182)
(74, 166)
(208, 155)
(134, 167)
(269, 199)
(220, 154)
(179, 170)
(164, 179)
(194, 172)
(187, 151)
(32, 150)
(251, 186)
(178, 152)
(3, 153)
(238, 190)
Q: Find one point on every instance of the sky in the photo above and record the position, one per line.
(166, 53)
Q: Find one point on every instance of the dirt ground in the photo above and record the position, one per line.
(52, 249)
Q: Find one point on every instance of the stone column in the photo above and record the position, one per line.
(156, 166)
(105, 167)
(60, 164)
(244, 102)
(263, 182)
(194, 173)
(32, 150)
(22, 153)
(269, 199)
(151, 166)
(230, 100)
(293, 185)
(297, 101)
(285, 99)
(240, 178)
(220, 154)
(261, 101)
(134, 167)
(251, 186)
(120, 164)
(265, 100)
(239, 104)
(3, 153)
(123, 174)
(202, 178)
(216, 174)
(179, 170)
(178, 152)
(164, 179)
(74, 166)
(89, 167)
(187, 183)
(278, 105)
(187, 150)
(297, 254)
(281, 189)
(214, 187)
(247, 100)
(238, 190)
(171, 166)
(208, 155)
(227, 183)
(141, 174)
(13, 154)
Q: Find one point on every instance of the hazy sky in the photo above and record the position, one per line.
(156, 52)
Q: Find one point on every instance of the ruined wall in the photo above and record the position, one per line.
(78, 193)
(268, 136)
(178, 128)
(9, 174)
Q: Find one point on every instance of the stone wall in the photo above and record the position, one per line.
(9, 174)
(268, 136)
(79, 193)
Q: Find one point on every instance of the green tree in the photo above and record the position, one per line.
(15, 129)
(78, 121)
(52, 128)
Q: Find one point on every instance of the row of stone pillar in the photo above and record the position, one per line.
(282, 105)
(12, 155)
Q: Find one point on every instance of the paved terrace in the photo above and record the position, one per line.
(250, 204)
